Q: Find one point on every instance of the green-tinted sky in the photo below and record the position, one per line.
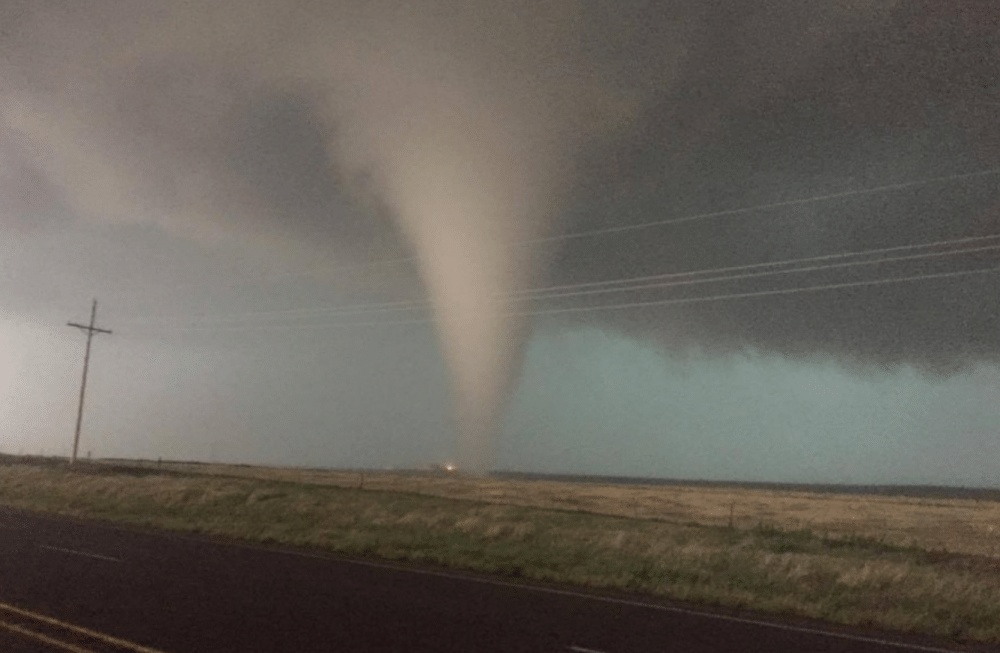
(594, 402)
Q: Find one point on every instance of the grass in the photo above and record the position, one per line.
(956, 525)
(856, 579)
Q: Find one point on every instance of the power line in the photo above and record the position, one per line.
(764, 207)
(346, 266)
(762, 293)
(755, 266)
(647, 282)
(689, 218)
(618, 306)
(767, 273)
(286, 327)
(346, 309)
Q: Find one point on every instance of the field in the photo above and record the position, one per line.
(898, 563)
(954, 525)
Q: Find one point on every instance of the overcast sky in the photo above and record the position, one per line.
(691, 239)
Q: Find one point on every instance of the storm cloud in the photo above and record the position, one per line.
(905, 108)
(511, 146)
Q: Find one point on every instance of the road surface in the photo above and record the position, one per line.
(68, 585)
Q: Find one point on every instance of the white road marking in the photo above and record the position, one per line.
(580, 649)
(97, 556)
(45, 639)
(79, 630)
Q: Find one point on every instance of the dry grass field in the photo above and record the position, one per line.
(954, 525)
(662, 541)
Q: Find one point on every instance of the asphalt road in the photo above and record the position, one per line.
(94, 588)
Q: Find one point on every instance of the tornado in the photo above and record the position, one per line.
(466, 130)
(471, 220)
(472, 193)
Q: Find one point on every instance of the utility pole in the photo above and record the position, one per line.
(91, 330)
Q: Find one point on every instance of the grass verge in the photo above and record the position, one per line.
(969, 526)
(858, 580)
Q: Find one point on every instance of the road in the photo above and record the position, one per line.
(67, 585)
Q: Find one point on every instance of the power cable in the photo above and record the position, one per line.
(647, 281)
(755, 275)
(761, 293)
(764, 207)
(691, 218)
(618, 306)
(347, 309)
(755, 266)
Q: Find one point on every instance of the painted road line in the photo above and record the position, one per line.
(100, 638)
(580, 649)
(96, 556)
(44, 639)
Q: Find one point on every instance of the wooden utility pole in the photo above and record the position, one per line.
(91, 330)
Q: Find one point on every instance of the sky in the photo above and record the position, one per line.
(692, 239)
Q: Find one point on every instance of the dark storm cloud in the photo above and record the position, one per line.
(469, 127)
(158, 114)
(913, 97)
